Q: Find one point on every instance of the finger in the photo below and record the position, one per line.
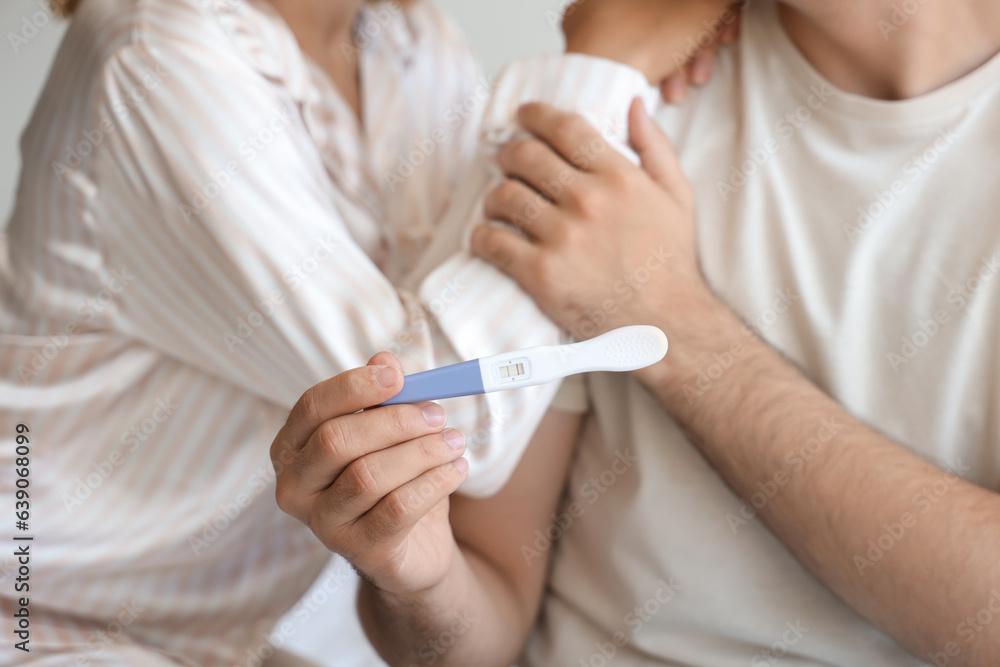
(339, 442)
(675, 88)
(504, 249)
(516, 203)
(538, 165)
(385, 359)
(370, 478)
(701, 67)
(731, 30)
(343, 394)
(654, 149)
(395, 515)
(572, 137)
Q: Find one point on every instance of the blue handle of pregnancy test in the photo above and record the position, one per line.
(464, 379)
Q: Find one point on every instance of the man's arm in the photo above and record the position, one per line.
(835, 500)
(933, 589)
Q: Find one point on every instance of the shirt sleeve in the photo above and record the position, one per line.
(481, 323)
(238, 257)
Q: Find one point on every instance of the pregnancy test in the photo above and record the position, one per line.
(619, 350)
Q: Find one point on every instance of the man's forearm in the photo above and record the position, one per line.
(834, 487)
(471, 618)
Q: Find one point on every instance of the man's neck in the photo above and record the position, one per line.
(877, 49)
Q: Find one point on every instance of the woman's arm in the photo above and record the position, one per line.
(249, 262)
(374, 486)
(482, 611)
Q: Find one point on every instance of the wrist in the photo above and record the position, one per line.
(438, 594)
(588, 32)
(706, 341)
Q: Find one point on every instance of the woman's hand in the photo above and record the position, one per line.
(374, 485)
(605, 244)
(672, 42)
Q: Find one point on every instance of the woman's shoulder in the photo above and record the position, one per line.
(179, 33)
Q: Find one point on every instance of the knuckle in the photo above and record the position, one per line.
(404, 421)
(334, 439)
(390, 521)
(501, 200)
(547, 275)
(432, 448)
(360, 479)
(569, 127)
(622, 181)
(285, 497)
(309, 405)
(442, 477)
(491, 246)
(507, 194)
(361, 382)
(588, 203)
(524, 150)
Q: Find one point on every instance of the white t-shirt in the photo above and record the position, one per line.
(861, 239)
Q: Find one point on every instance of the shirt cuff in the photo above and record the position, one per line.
(600, 90)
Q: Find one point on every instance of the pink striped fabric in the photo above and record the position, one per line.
(202, 232)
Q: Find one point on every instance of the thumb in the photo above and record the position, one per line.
(654, 149)
(385, 359)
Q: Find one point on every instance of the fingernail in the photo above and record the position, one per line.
(454, 438)
(644, 116)
(461, 464)
(676, 90)
(433, 414)
(387, 376)
(699, 72)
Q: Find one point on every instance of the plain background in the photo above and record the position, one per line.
(499, 30)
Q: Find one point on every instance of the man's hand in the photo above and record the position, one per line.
(672, 42)
(374, 485)
(608, 244)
